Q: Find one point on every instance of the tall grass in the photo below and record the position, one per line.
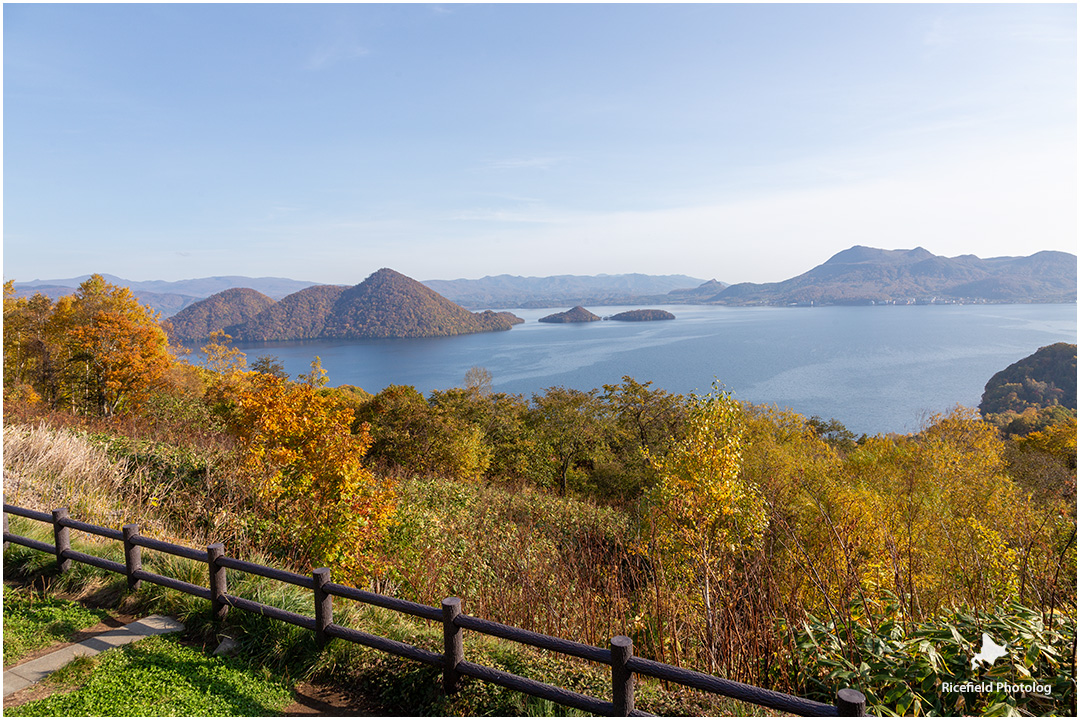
(171, 492)
(398, 686)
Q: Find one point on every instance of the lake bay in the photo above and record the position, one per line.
(876, 369)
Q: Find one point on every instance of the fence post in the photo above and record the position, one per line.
(850, 703)
(132, 556)
(622, 678)
(324, 605)
(62, 539)
(218, 583)
(453, 649)
(6, 543)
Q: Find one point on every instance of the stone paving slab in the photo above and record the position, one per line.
(29, 673)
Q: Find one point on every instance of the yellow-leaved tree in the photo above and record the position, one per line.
(702, 514)
(296, 446)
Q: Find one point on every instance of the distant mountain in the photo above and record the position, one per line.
(510, 291)
(573, 315)
(166, 304)
(229, 307)
(863, 275)
(386, 305)
(169, 297)
(703, 292)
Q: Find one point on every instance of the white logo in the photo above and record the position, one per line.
(989, 653)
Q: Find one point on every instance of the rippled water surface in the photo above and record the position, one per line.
(877, 369)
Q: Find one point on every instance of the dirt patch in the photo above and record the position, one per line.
(330, 700)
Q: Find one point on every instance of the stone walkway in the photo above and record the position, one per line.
(29, 673)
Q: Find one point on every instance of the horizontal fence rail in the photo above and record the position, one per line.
(619, 656)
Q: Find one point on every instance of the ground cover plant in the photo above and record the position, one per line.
(707, 529)
(33, 620)
(160, 677)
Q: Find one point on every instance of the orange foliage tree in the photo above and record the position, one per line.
(296, 447)
(97, 351)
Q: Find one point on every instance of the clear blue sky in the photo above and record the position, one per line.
(322, 142)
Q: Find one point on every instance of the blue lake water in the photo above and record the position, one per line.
(876, 369)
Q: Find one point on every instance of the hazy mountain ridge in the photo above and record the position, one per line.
(863, 275)
(860, 275)
(510, 291)
(169, 297)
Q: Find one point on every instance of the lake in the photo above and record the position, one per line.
(876, 369)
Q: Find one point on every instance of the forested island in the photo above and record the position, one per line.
(385, 305)
(642, 316)
(573, 315)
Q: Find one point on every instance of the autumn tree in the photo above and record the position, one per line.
(701, 513)
(98, 351)
(297, 447)
(416, 436)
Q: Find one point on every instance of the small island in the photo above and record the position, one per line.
(642, 315)
(573, 315)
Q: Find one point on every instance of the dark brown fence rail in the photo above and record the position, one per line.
(619, 656)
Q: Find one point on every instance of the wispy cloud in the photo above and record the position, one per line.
(333, 54)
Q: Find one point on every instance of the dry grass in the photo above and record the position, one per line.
(47, 468)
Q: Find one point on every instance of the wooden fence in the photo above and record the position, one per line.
(619, 656)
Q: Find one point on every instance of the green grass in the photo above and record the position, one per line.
(160, 677)
(33, 621)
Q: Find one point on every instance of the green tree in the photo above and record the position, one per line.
(569, 428)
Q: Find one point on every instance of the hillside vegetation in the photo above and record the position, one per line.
(1034, 392)
(731, 538)
(198, 321)
(573, 315)
(385, 305)
(642, 315)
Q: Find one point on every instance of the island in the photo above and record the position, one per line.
(573, 315)
(385, 305)
(642, 316)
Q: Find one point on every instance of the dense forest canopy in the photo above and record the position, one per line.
(198, 321)
(1033, 392)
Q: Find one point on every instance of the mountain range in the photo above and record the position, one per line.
(863, 275)
(515, 291)
(857, 276)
